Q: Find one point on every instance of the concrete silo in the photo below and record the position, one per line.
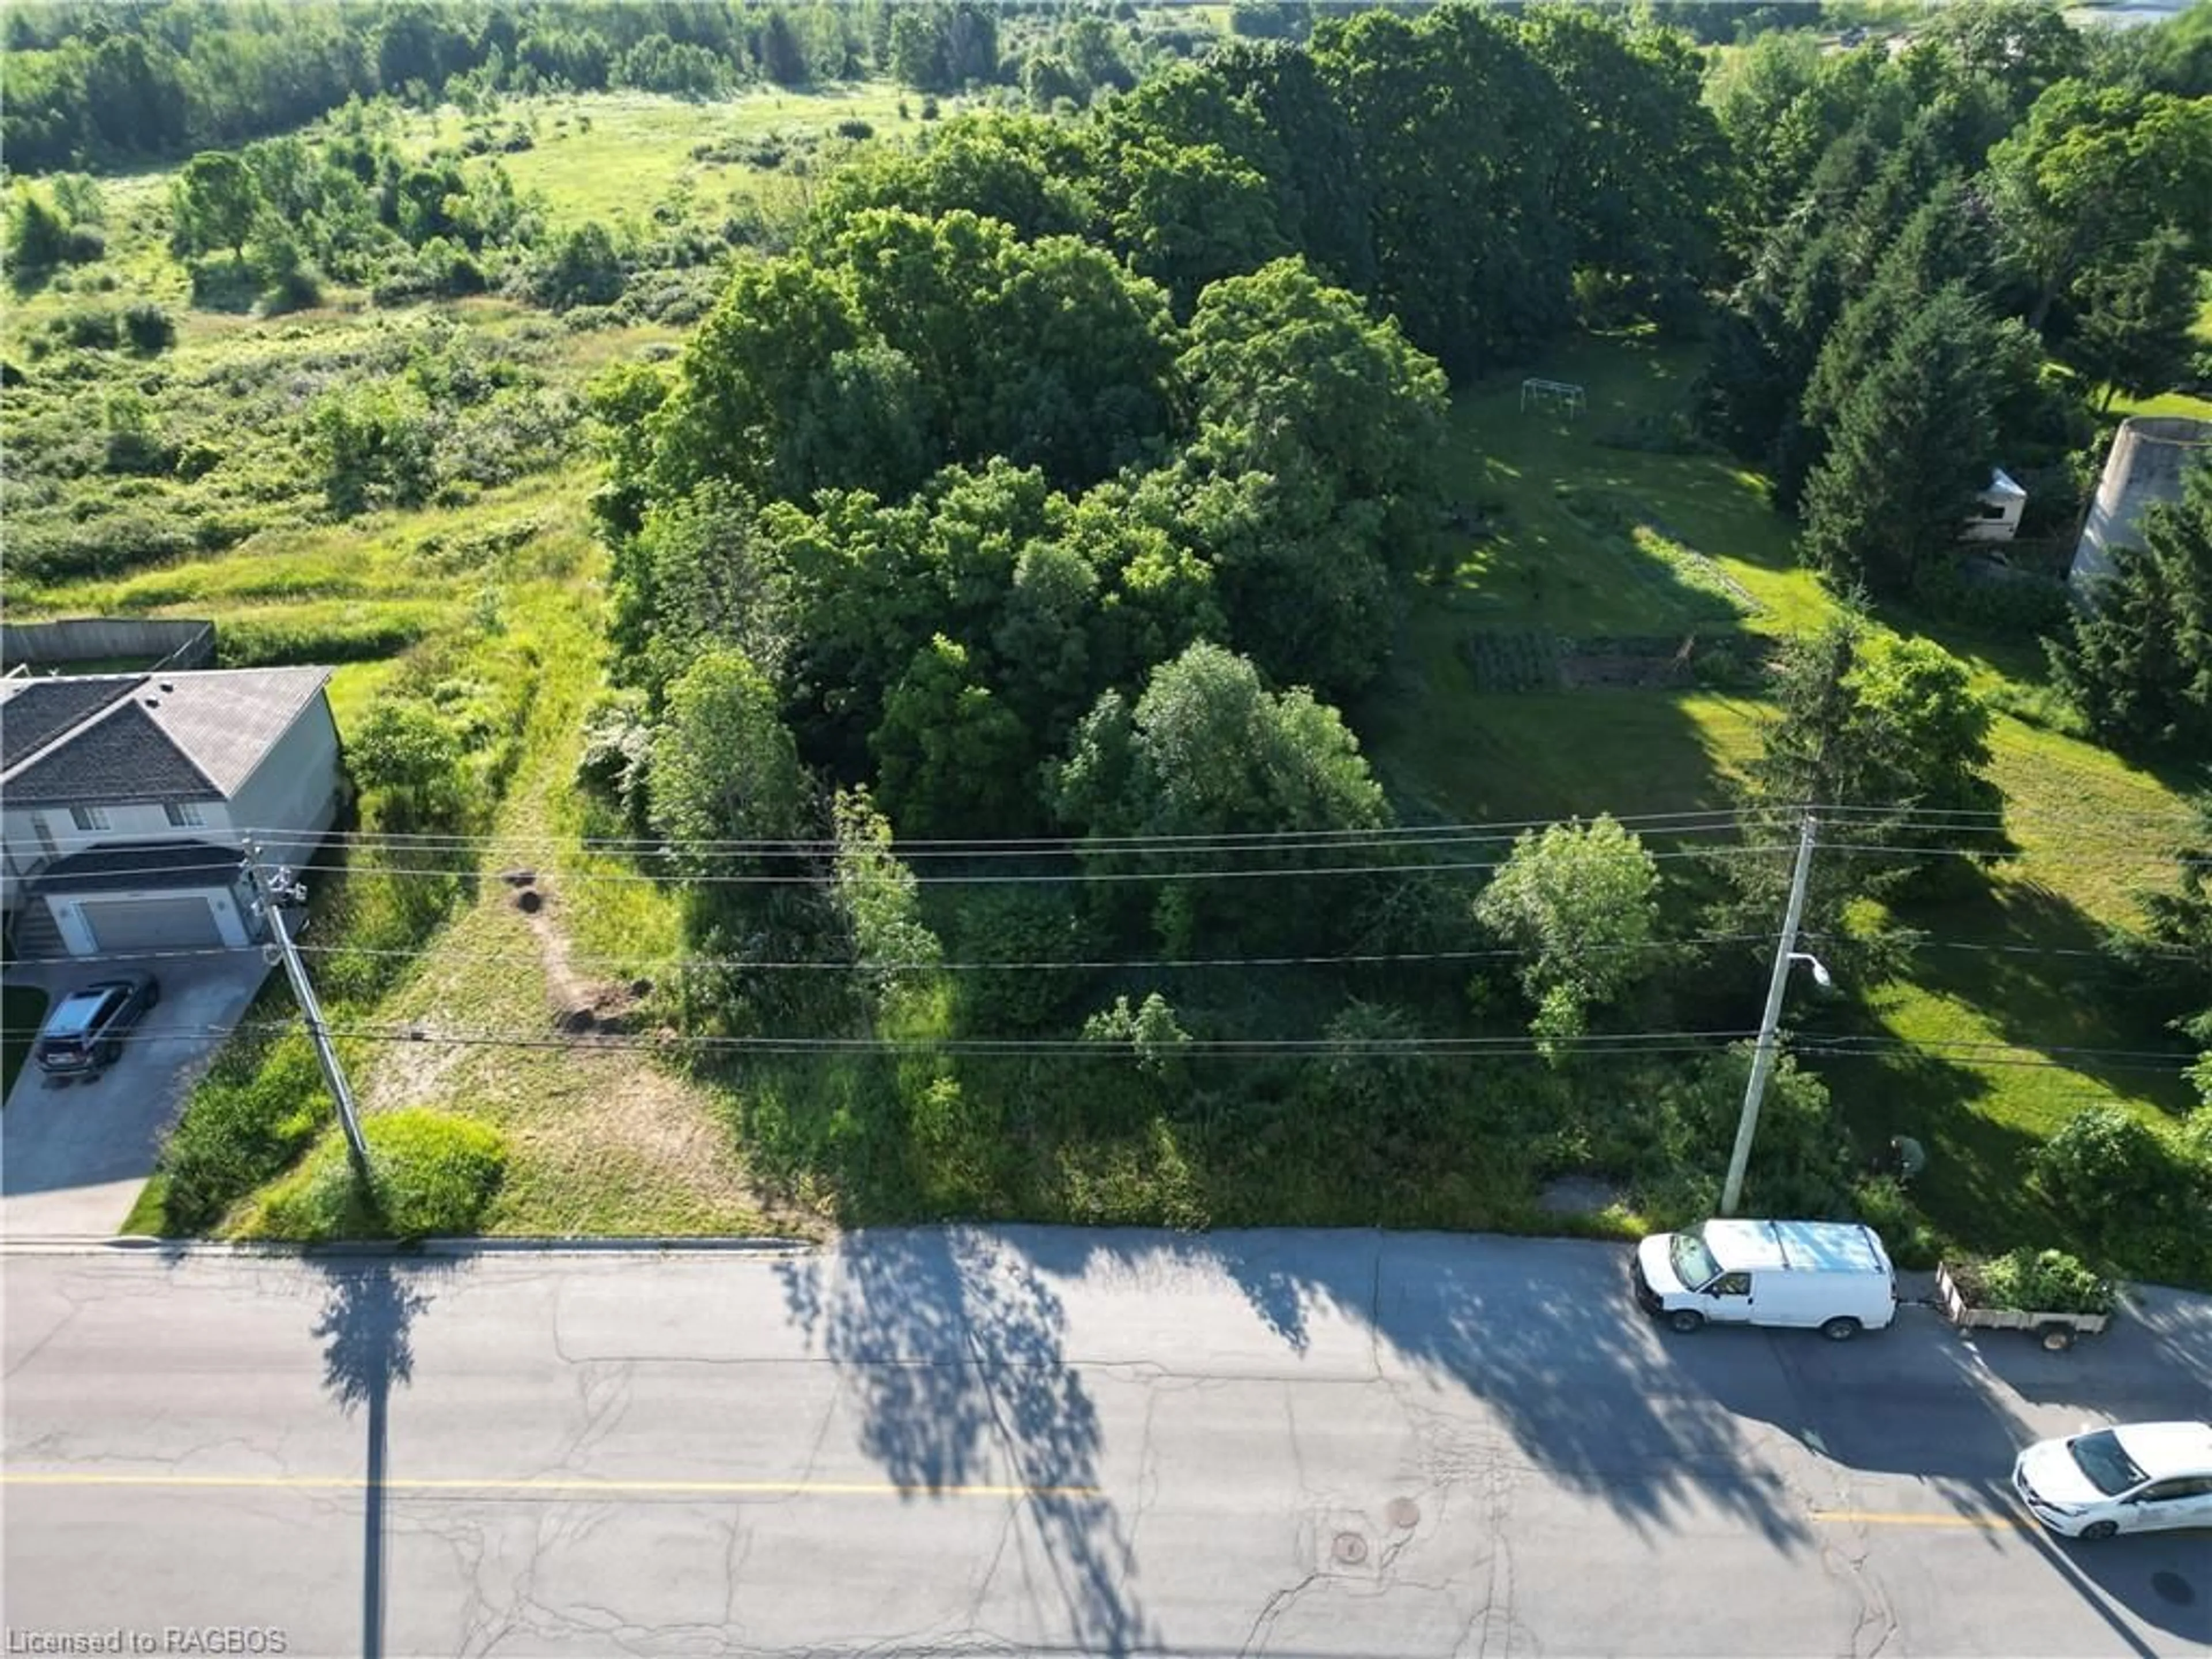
(2149, 455)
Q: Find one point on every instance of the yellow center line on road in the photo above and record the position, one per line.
(548, 1485)
(1906, 1518)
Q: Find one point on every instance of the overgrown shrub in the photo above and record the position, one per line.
(249, 1116)
(355, 634)
(618, 756)
(149, 328)
(89, 330)
(2139, 1199)
(1017, 924)
(2025, 605)
(1884, 1206)
(407, 757)
(431, 1173)
(109, 545)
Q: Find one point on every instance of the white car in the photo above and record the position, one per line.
(2133, 1477)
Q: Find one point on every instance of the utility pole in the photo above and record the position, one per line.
(1762, 1059)
(275, 893)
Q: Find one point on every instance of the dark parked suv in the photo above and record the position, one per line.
(86, 1029)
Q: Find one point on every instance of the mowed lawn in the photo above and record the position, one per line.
(2010, 983)
(1573, 494)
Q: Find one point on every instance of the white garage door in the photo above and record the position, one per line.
(151, 924)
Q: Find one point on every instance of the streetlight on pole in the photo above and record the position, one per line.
(1762, 1059)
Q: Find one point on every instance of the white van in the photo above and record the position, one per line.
(1831, 1276)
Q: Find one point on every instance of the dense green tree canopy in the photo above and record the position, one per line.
(2138, 664)
(1912, 446)
(1582, 900)
(724, 766)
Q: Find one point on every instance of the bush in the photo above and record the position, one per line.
(108, 544)
(149, 328)
(89, 330)
(2137, 1198)
(250, 1117)
(354, 633)
(853, 127)
(2026, 1280)
(2025, 605)
(2103, 1162)
(1884, 1206)
(83, 245)
(430, 1173)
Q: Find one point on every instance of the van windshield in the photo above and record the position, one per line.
(1693, 1263)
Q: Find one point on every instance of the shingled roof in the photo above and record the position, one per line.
(117, 739)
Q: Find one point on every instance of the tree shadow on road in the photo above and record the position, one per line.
(365, 1326)
(953, 1344)
(1541, 1333)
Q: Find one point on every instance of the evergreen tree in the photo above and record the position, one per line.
(782, 53)
(1912, 447)
(2139, 663)
(36, 234)
(2137, 318)
(1939, 245)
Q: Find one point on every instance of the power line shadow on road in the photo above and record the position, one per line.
(365, 1325)
(953, 1346)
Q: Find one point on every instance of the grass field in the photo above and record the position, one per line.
(1571, 499)
(614, 156)
(2009, 980)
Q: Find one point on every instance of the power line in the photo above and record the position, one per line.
(1081, 876)
(642, 963)
(1598, 1044)
(1078, 965)
(1601, 1042)
(1691, 821)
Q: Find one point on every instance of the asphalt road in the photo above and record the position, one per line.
(1038, 1441)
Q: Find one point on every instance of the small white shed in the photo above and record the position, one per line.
(1999, 508)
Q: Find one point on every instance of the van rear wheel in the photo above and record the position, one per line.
(1840, 1330)
(1686, 1320)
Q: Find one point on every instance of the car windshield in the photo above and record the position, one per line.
(1693, 1263)
(2110, 1469)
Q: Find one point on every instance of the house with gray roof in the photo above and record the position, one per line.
(128, 799)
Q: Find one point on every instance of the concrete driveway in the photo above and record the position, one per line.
(73, 1155)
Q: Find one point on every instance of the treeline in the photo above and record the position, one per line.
(96, 85)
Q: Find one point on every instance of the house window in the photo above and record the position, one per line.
(89, 817)
(184, 814)
(1993, 512)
